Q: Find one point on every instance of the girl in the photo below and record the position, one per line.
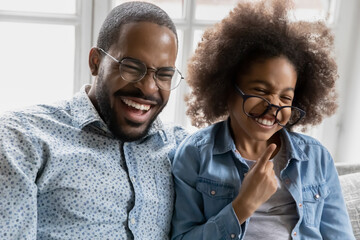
(255, 76)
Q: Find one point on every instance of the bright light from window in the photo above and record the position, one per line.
(313, 10)
(41, 6)
(172, 7)
(37, 63)
(213, 10)
(308, 10)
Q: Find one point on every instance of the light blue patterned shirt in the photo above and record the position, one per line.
(63, 175)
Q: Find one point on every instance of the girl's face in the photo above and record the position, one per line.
(273, 79)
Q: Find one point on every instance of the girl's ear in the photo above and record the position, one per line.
(94, 61)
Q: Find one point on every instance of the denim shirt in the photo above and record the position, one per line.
(63, 175)
(208, 173)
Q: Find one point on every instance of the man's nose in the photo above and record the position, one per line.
(148, 83)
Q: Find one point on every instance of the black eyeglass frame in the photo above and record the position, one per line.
(120, 62)
(270, 105)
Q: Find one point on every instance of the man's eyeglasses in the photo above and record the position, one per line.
(256, 107)
(133, 70)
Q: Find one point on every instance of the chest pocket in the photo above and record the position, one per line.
(216, 195)
(313, 199)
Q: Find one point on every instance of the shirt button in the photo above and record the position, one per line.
(317, 196)
(213, 192)
(232, 235)
(294, 233)
(133, 179)
(132, 221)
(287, 181)
(300, 204)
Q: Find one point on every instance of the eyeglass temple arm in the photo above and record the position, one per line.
(239, 90)
(102, 50)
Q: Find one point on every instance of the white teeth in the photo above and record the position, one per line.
(265, 121)
(136, 105)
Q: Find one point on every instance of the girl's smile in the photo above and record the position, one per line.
(267, 85)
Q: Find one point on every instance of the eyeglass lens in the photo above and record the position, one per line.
(133, 71)
(256, 106)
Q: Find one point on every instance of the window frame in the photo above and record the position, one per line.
(79, 20)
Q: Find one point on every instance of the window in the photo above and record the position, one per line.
(41, 40)
(39, 6)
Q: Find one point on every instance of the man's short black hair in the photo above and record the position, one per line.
(131, 12)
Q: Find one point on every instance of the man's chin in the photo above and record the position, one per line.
(129, 137)
(131, 132)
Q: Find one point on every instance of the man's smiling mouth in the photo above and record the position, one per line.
(130, 103)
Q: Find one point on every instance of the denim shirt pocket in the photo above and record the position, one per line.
(165, 192)
(216, 195)
(313, 199)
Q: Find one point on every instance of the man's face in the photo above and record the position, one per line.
(129, 108)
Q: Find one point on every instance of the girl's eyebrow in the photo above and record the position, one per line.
(289, 89)
(267, 84)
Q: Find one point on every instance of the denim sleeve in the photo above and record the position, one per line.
(18, 166)
(189, 219)
(335, 222)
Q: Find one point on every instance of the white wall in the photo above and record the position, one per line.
(339, 133)
(346, 144)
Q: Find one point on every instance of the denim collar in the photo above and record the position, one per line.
(224, 142)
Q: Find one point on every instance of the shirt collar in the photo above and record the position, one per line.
(292, 146)
(83, 111)
(84, 114)
(223, 140)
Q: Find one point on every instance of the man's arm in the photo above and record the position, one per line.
(18, 191)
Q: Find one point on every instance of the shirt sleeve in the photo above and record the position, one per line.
(335, 222)
(18, 167)
(189, 220)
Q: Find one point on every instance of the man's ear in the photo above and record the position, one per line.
(94, 61)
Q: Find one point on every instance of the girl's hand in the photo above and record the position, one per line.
(257, 187)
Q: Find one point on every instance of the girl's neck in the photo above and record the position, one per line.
(252, 149)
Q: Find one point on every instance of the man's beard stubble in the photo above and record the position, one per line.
(108, 116)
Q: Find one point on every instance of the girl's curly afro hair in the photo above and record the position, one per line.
(262, 30)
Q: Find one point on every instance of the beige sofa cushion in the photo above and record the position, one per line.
(350, 184)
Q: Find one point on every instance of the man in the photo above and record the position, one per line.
(98, 166)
